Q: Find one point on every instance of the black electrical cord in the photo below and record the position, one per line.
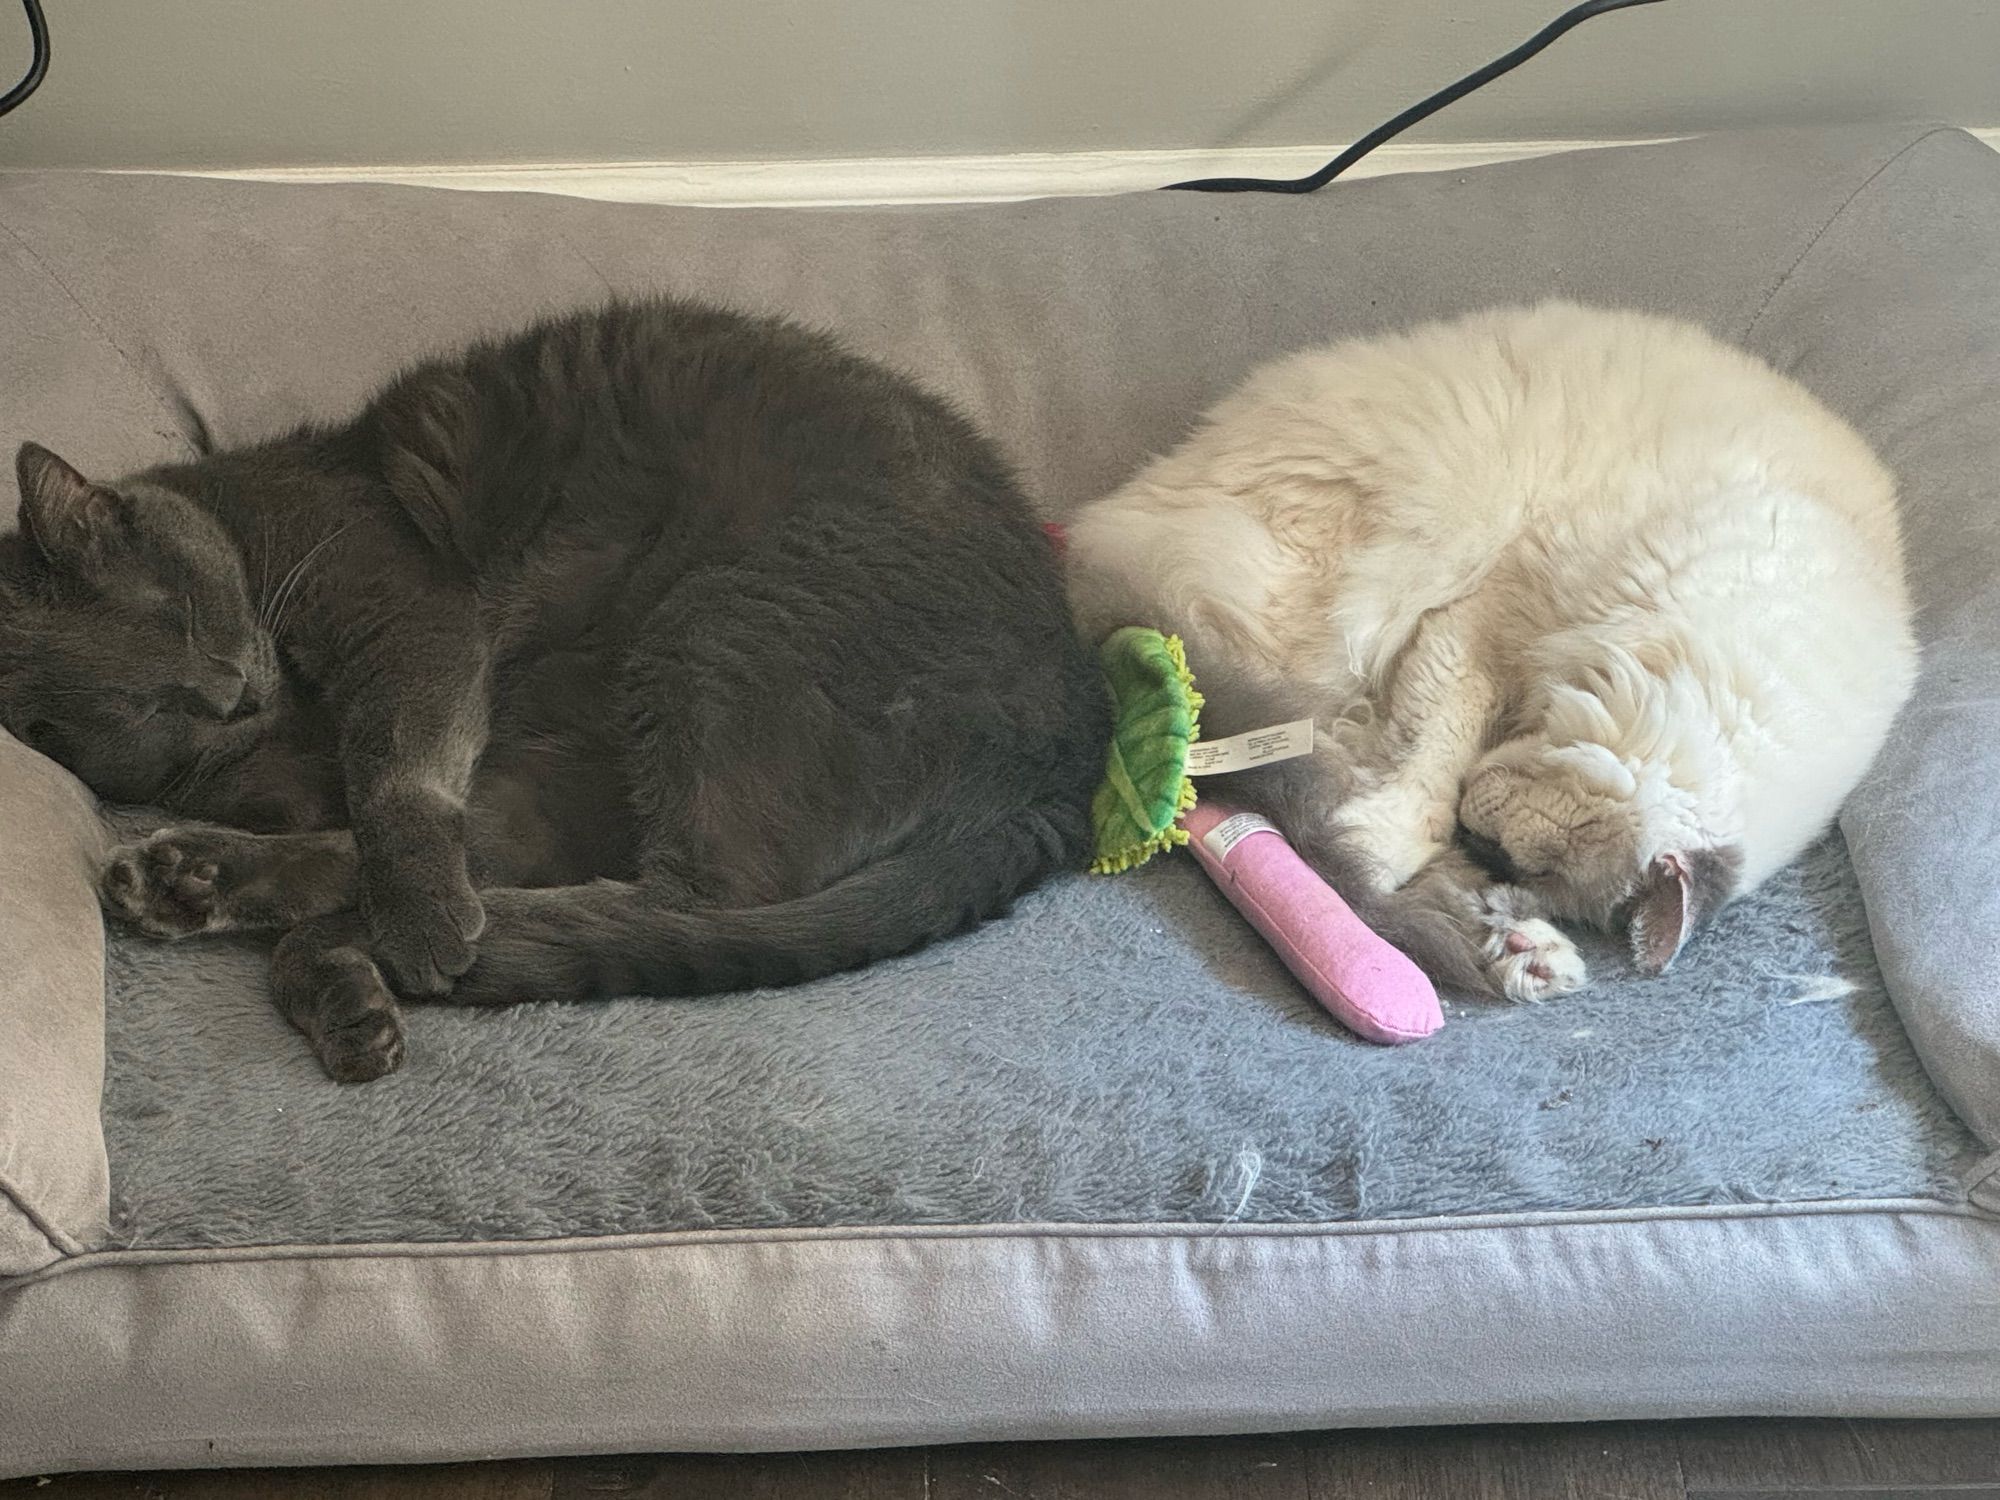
(38, 64)
(1422, 110)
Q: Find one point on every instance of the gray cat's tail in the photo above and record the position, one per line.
(614, 938)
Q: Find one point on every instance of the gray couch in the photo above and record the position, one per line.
(1099, 1168)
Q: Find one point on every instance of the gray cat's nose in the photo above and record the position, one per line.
(222, 696)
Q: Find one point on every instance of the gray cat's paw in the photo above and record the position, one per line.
(356, 1028)
(424, 939)
(1528, 960)
(172, 884)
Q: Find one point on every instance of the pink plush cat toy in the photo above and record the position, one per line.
(1370, 987)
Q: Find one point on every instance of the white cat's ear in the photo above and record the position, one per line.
(62, 513)
(1679, 892)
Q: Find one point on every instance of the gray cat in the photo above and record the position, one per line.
(654, 650)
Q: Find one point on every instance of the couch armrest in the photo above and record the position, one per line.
(54, 1185)
(1891, 316)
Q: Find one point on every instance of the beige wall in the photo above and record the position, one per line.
(327, 82)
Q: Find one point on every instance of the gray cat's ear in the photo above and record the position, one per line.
(66, 516)
(1676, 896)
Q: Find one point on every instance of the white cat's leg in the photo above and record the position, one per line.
(1440, 707)
(1402, 824)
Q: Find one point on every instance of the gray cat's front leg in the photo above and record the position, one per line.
(326, 984)
(412, 716)
(1442, 701)
(198, 878)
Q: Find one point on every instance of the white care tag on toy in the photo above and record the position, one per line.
(1258, 747)
(1232, 831)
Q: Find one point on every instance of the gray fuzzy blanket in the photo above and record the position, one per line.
(1119, 1050)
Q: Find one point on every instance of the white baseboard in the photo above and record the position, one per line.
(857, 181)
(851, 182)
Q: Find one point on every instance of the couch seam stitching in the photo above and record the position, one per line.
(173, 1257)
(150, 387)
(1984, 1173)
(62, 1243)
(1833, 219)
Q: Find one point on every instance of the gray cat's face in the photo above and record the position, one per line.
(129, 648)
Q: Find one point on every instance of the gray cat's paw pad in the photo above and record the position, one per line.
(168, 886)
(357, 1028)
(1530, 960)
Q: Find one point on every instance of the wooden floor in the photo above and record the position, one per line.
(1737, 1460)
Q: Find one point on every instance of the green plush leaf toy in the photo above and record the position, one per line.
(1157, 716)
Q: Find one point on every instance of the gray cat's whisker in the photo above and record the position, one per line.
(288, 589)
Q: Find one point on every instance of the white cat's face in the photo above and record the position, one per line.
(1567, 821)
(1597, 842)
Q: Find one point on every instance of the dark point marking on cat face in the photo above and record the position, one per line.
(1679, 894)
(1488, 855)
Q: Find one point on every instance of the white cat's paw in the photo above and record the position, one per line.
(1400, 830)
(1530, 960)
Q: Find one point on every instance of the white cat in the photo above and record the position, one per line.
(1599, 619)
